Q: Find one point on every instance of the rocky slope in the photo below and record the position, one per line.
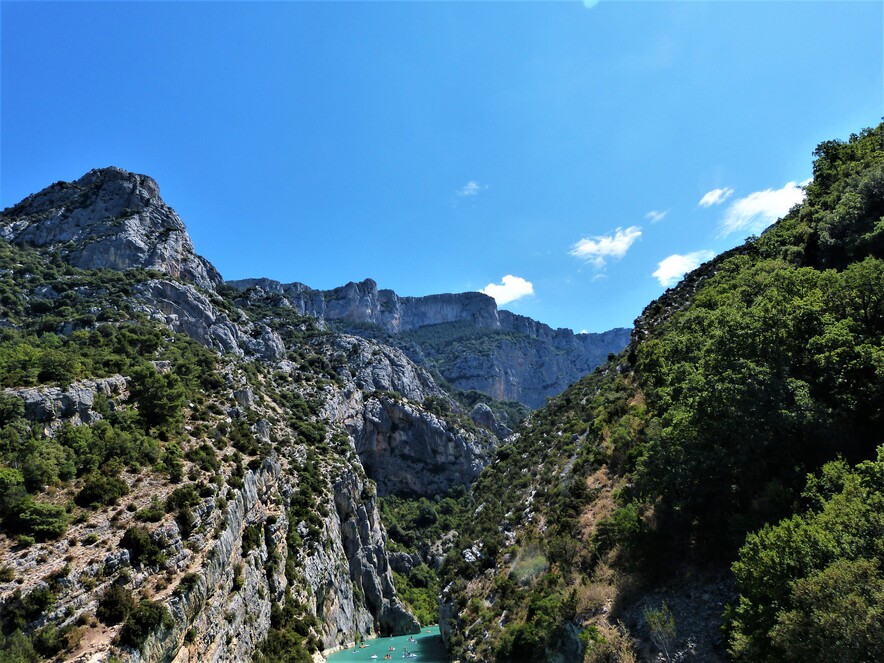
(279, 434)
(471, 343)
(692, 499)
(109, 218)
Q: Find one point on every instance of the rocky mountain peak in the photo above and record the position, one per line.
(109, 218)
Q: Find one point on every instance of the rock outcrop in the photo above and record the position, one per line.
(109, 218)
(52, 406)
(186, 309)
(386, 406)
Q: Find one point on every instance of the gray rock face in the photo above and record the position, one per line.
(363, 303)
(51, 406)
(362, 539)
(409, 451)
(185, 309)
(372, 366)
(523, 360)
(109, 218)
(526, 368)
(227, 623)
(482, 416)
(403, 447)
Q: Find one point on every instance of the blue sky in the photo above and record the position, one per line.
(578, 157)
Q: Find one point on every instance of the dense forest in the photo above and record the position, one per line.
(736, 438)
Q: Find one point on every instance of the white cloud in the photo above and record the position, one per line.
(589, 4)
(509, 289)
(471, 188)
(671, 269)
(758, 210)
(716, 197)
(655, 215)
(597, 250)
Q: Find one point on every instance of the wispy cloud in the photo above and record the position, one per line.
(509, 289)
(716, 197)
(471, 188)
(655, 215)
(589, 4)
(599, 249)
(758, 210)
(671, 269)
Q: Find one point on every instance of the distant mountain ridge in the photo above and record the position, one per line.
(521, 359)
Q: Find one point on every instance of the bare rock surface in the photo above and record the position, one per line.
(522, 359)
(109, 218)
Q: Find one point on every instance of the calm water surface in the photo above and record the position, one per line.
(428, 648)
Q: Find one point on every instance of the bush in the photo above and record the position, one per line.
(20, 611)
(17, 648)
(185, 496)
(146, 617)
(142, 549)
(186, 520)
(238, 578)
(100, 490)
(188, 582)
(251, 538)
(115, 605)
(37, 520)
(160, 398)
(153, 513)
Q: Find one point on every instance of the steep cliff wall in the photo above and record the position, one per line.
(464, 337)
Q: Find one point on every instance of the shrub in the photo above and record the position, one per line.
(188, 582)
(185, 496)
(153, 513)
(115, 605)
(238, 578)
(251, 538)
(186, 520)
(37, 520)
(146, 617)
(142, 549)
(100, 490)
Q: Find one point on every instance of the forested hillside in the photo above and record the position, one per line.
(186, 473)
(616, 525)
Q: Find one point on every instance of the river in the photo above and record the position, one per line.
(428, 647)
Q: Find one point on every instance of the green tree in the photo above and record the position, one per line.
(160, 398)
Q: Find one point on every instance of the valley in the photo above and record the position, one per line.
(194, 469)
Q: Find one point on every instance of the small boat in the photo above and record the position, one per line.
(374, 656)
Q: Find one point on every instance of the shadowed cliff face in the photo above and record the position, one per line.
(464, 336)
(109, 218)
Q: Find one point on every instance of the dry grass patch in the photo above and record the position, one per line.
(601, 483)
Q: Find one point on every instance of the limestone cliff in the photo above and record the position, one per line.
(109, 218)
(404, 448)
(471, 343)
(283, 457)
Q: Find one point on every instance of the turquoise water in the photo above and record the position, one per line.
(428, 648)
